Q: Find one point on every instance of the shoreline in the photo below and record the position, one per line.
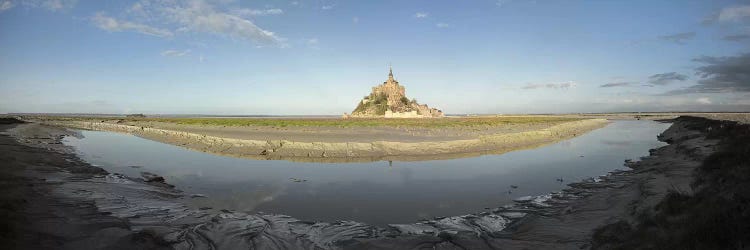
(116, 215)
(332, 152)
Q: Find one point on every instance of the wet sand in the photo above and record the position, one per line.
(35, 215)
(347, 144)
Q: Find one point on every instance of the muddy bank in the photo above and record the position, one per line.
(712, 212)
(68, 204)
(37, 212)
(349, 151)
(118, 211)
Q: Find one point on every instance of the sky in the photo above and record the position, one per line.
(276, 57)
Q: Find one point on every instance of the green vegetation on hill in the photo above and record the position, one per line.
(377, 103)
(405, 100)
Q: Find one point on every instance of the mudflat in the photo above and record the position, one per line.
(345, 139)
(339, 130)
(76, 205)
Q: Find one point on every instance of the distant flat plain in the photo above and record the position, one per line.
(329, 129)
(359, 139)
(334, 129)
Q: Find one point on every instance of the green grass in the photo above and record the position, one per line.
(352, 122)
(378, 101)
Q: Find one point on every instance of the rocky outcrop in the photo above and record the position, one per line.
(389, 100)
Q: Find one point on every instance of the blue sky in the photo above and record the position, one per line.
(321, 57)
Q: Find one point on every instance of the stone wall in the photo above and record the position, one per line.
(393, 90)
(410, 114)
(426, 111)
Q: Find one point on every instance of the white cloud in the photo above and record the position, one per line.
(327, 7)
(442, 25)
(734, 14)
(200, 16)
(57, 4)
(421, 15)
(313, 43)
(564, 85)
(113, 25)
(703, 100)
(137, 7)
(176, 53)
(6, 5)
(52, 5)
(164, 17)
(501, 3)
(254, 12)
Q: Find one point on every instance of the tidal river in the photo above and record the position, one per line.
(377, 193)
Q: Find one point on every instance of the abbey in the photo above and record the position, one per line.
(389, 100)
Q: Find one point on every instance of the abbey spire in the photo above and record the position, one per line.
(390, 74)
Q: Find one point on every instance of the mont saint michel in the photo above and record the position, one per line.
(280, 124)
(389, 100)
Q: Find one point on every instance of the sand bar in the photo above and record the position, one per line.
(347, 144)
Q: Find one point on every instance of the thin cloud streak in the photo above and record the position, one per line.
(734, 14)
(175, 53)
(564, 85)
(254, 12)
(111, 24)
(616, 84)
(736, 38)
(679, 38)
(666, 78)
(51, 5)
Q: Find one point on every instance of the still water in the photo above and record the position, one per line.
(377, 192)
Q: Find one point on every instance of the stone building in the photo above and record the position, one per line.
(391, 89)
(389, 100)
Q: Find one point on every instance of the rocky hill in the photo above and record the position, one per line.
(389, 100)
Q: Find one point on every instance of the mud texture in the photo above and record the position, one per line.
(712, 212)
(57, 201)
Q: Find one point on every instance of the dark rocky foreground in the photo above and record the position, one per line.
(712, 212)
(51, 199)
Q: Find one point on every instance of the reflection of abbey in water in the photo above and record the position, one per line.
(389, 100)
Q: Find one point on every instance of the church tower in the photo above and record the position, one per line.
(390, 76)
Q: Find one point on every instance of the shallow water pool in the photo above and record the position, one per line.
(378, 193)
